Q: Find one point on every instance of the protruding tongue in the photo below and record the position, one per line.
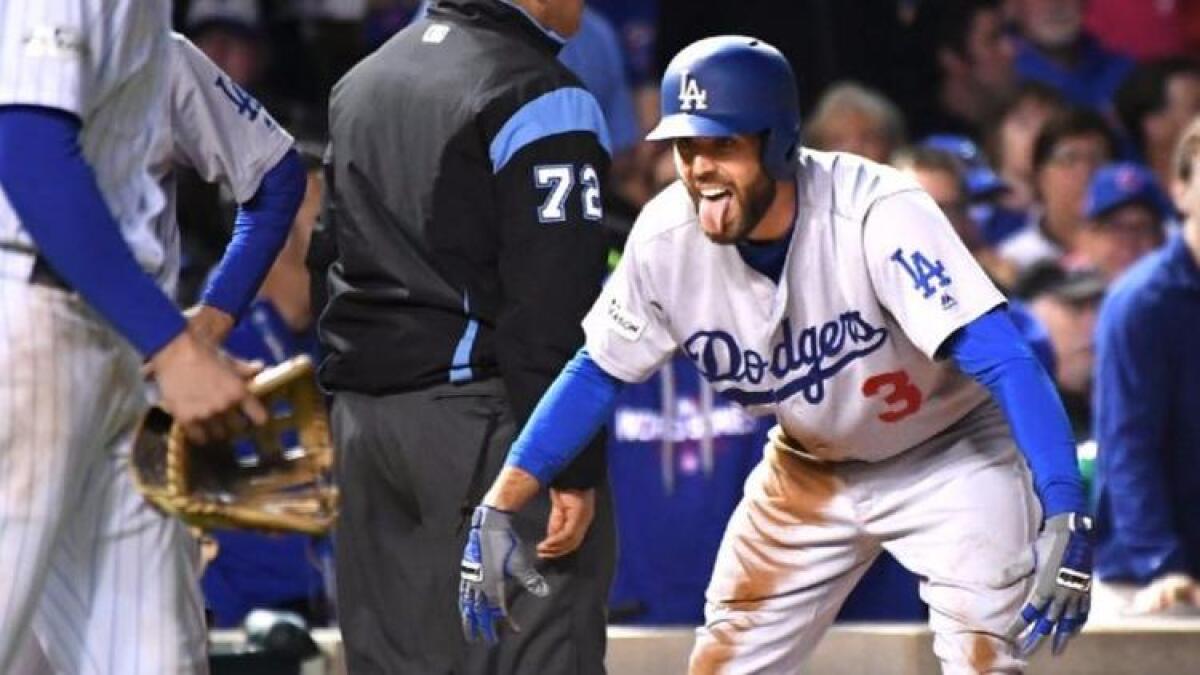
(712, 214)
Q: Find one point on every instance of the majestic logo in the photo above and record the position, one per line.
(817, 353)
(691, 95)
(923, 272)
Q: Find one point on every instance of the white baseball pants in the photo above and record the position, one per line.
(957, 510)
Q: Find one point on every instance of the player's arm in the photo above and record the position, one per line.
(550, 159)
(1132, 390)
(992, 351)
(924, 275)
(228, 137)
(944, 302)
(627, 341)
(259, 232)
(576, 405)
(54, 192)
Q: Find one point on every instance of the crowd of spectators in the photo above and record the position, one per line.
(1049, 132)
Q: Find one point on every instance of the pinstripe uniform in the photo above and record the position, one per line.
(72, 391)
(210, 125)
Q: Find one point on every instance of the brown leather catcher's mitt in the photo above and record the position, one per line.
(275, 477)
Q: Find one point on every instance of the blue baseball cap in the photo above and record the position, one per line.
(982, 182)
(1121, 183)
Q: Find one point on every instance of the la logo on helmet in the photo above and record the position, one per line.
(691, 96)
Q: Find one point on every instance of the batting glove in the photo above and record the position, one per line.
(1062, 587)
(494, 555)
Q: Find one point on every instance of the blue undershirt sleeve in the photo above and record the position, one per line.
(991, 351)
(579, 401)
(54, 192)
(259, 232)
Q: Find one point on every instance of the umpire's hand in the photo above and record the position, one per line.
(1062, 584)
(494, 554)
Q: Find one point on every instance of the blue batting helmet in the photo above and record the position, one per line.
(730, 85)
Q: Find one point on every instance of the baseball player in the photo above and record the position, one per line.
(830, 292)
(107, 583)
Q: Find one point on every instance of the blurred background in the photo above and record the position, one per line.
(1045, 129)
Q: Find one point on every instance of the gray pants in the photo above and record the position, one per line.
(410, 467)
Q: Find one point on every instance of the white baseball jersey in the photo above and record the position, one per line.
(86, 564)
(101, 60)
(213, 126)
(843, 350)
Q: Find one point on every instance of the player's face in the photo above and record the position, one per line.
(727, 183)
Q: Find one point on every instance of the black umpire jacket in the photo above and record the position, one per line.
(464, 172)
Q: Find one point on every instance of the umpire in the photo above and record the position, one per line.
(464, 171)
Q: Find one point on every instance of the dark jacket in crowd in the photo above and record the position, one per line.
(1147, 430)
(464, 172)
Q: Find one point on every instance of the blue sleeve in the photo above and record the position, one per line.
(1132, 403)
(260, 230)
(54, 192)
(580, 400)
(990, 350)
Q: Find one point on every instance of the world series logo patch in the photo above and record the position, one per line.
(623, 322)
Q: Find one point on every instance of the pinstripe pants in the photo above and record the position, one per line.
(106, 584)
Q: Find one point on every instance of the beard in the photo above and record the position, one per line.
(752, 203)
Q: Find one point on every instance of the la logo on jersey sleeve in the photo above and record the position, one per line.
(925, 275)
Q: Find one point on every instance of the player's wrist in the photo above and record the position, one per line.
(167, 345)
(1063, 497)
(182, 348)
(513, 488)
(210, 324)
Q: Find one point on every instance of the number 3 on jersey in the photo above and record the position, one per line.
(560, 179)
(899, 393)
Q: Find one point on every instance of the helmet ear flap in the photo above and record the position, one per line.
(780, 150)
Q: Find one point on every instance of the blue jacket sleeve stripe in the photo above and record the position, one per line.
(460, 367)
(557, 112)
